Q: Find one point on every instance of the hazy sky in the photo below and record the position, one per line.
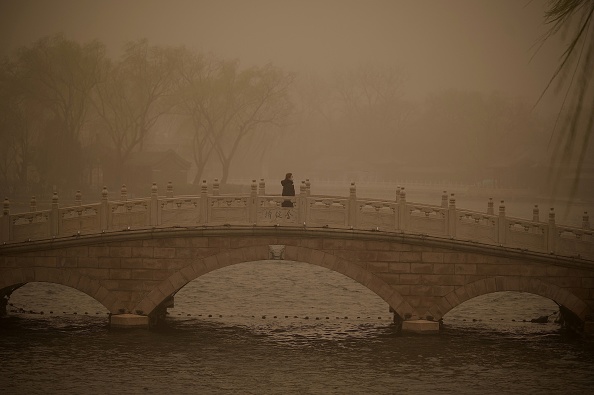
(467, 44)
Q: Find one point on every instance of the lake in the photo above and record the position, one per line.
(283, 327)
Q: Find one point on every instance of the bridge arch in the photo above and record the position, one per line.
(351, 269)
(66, 277)
(489, 285)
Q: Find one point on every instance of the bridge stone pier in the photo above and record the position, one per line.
(133, 256)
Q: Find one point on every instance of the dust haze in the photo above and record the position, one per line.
(424, 92)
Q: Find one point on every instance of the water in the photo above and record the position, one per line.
(278, 327)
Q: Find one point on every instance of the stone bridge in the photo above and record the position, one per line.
(133, 255)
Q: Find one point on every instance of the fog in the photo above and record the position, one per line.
(426, 92)
(463, 44)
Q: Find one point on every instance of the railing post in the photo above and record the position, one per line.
(204, 202)
(490, 210)
(307, 187)
(124, 193)
(169, 192)
(154, 221)
(216, 185)
(33, 204)
(552, 242)
(54, 216)
(5, 221)
(535, 214)
(104, 209)
(444, 199)
(397, 194)
(262, 187)
(302, 204)
(585, 221)
(502, 223)
(402, 219)
(253, 202)
(78, 198)
(352, 220)
(452, 216)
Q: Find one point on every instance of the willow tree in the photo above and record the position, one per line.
(575, 122)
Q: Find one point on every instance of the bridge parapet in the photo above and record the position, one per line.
(304, 210)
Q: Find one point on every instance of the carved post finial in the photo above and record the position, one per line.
(204, 202)
(586, 221)
(397, 193)
(352, 206)
(33, 204)
(154, 208)
(307, 187)
(54, 215)
(452, 201)
(302, 188)
(452, 216)
(78, 198)
(169, 192)
(502, 225)
(402, 210)
(262, 187)
(502, 209)
(536, 213)
(124, 192)
(216, 186)
(552, 240)
(103, 208)
(253, 203)
(444, 199)
(6, 207)
(490, 209)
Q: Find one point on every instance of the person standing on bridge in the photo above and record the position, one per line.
(288, 189)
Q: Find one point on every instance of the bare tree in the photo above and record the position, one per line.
(371, 108)
(61, 75)
(134, 94)
(257, 97)
(480, 130)
(49, 83)
(15, 144)
(228, 104)
(195, 90)
(371, 95)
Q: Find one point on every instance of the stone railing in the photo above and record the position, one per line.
(259, 209)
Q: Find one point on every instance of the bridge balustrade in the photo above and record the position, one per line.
(259, 209)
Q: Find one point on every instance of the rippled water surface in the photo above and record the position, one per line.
(278, 327)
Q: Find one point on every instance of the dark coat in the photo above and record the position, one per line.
(288, 187)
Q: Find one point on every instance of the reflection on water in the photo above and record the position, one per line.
(280, 327)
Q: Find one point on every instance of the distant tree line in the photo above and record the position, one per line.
(66, 109)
